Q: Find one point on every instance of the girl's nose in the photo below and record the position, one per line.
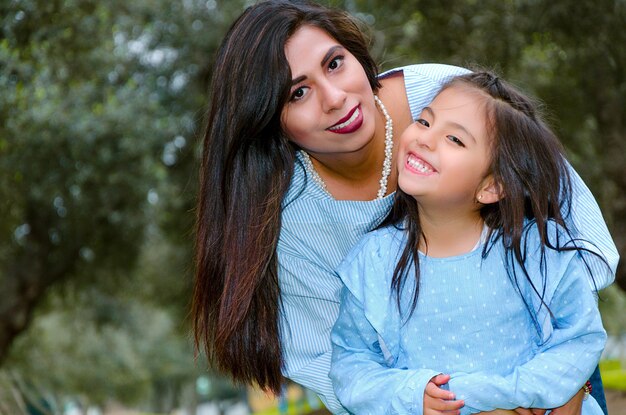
(332, 96)
(425, 138)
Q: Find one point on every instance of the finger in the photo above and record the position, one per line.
(538, 411)
(441, 379)
(523, 411)
(430, 411)
(436, 392)
(442, 405)
(441, 411)
(446, 406)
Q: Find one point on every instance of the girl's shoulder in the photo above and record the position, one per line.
(551, 234)
(377, 244)
(375, 253)
(367, 271)
(549, 249)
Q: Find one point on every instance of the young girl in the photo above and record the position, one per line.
(472, 295)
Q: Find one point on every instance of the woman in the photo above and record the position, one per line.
(297, 166)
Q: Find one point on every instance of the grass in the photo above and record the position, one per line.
(294, 408)
(613, 375)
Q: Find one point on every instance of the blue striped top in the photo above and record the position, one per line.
(317, 232)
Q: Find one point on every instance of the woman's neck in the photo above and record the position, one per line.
(449, 235)
(356, 175)
(356, 166)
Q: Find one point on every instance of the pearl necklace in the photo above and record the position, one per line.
(382, 191)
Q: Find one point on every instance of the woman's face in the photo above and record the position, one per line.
(331, 108)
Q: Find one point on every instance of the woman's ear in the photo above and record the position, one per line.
(489, 191)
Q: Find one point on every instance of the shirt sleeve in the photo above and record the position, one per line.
(306, 321)
(424, 81)
(314, 376)
(363, 382)
(562, 364)
(589, 226)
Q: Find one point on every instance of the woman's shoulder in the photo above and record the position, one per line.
(434, 72)
(421, 82)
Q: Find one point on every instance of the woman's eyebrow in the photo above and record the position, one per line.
(325, 60)
(329, 54)
(298, 79)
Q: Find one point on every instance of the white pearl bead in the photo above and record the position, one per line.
(386, 170)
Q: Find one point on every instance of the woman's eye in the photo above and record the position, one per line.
(298, 93)
(335, 63)
(423, 122)
(455, 140)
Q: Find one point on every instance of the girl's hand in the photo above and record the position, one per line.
(438, 401)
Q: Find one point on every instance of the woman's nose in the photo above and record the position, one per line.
(333, 97)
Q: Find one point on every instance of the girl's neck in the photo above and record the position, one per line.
(449, 235)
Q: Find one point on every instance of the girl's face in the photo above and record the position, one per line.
(444, 156)
(331, 109)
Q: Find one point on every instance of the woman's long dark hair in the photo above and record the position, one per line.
(529, 166)
(246, 167)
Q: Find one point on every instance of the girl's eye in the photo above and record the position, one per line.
(335, 63)
(298, 93)
(423, 122)
(455, 140)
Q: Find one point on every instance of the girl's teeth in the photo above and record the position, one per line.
(418, 165)
(355, 114)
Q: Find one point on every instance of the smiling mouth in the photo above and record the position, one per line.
(350, 123)
(419, 165)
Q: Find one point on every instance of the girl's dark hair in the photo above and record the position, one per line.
(247, 164)
(529, 166)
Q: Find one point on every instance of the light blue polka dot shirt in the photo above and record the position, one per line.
(470, 322)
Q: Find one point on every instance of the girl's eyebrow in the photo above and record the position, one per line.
(451, 123)
(429, 110)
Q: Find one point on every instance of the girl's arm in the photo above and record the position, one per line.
(362, 380)
(561, 365)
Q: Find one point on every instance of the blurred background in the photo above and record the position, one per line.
(101, 113)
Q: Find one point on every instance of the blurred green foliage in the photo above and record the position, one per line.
(613, 375)
(101, 113)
